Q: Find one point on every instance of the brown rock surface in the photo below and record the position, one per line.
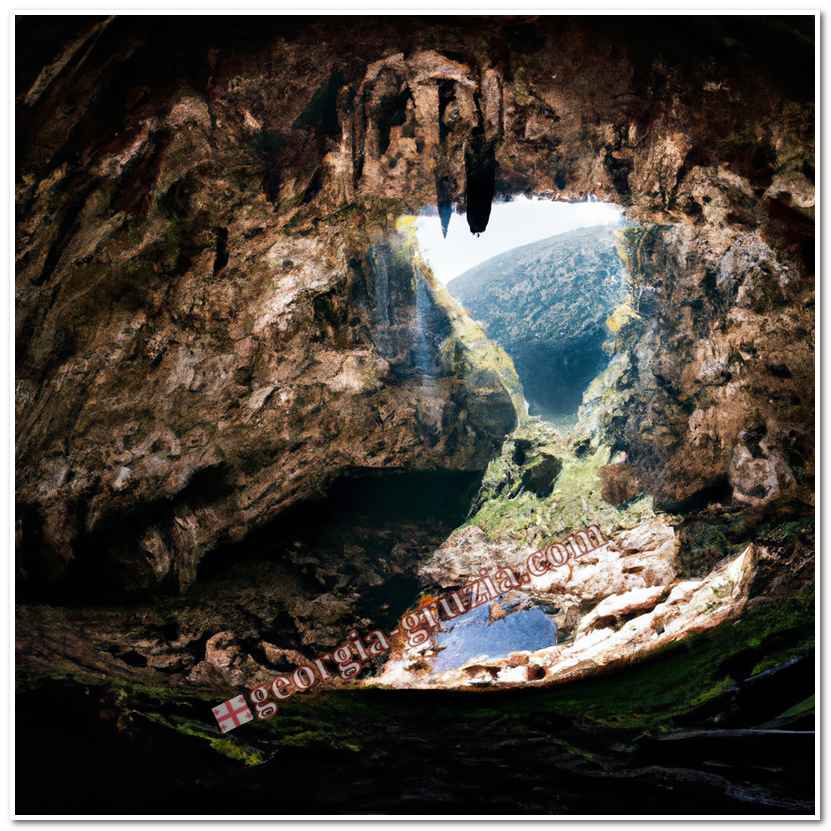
(217, 314)
(221, 316)
(632, 620)
(619, 483)
(207, 304)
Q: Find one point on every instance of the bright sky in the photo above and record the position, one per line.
(514, 223)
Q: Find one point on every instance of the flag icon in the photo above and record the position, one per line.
(232, 713)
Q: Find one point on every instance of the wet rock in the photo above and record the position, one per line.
(647, 625)
(222, 650)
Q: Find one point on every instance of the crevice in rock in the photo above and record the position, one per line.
(619, 168)
(268, 146)
(321, 113)
(113, 565)
(133, 658)
(717, 492)
(390, 96)
(220, 249)
(68, 226)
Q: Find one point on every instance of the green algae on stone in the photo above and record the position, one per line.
(228, 747)
(682, 678)
(504, 510)
(804, 708)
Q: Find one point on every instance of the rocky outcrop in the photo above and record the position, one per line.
(208, 403)
(206, 304)
(640, 557)
(619, 483)
(218, 311)
(565, 493)
(711, 390)
(634, 606)
(220, 315)
(547, 303)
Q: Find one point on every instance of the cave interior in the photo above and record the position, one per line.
(251, 417)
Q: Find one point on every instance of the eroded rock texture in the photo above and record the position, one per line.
(215, 315)
(711, 392)
(624, 596)
(220, 311)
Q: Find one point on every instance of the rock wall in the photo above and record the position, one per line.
(212, 320)
(711, 391)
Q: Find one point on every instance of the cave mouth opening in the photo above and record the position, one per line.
(543, 281)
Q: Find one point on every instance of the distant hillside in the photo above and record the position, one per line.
(546, 303)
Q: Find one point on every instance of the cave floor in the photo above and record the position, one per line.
(684, 732)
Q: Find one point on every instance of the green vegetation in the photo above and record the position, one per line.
(229, 747)
(574, 503)
(804, 708)
(648, 696)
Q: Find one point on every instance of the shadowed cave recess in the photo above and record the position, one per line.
(251, 419)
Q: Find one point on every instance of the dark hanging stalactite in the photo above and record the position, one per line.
(445, 182)
(480, 174)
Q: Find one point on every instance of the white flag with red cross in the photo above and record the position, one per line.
(232, 713)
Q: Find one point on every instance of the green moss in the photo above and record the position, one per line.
(656, 692)
(239, 753)
(784, 532)
(804, 708)
(230, 748)
(155, 693)
(651, 695)
(574, 503)
(578, 752)
(307, 739)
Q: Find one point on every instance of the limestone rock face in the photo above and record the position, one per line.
(214, 315)
(711, 389)
(639, 558)
(215, 401)
(635, 606)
